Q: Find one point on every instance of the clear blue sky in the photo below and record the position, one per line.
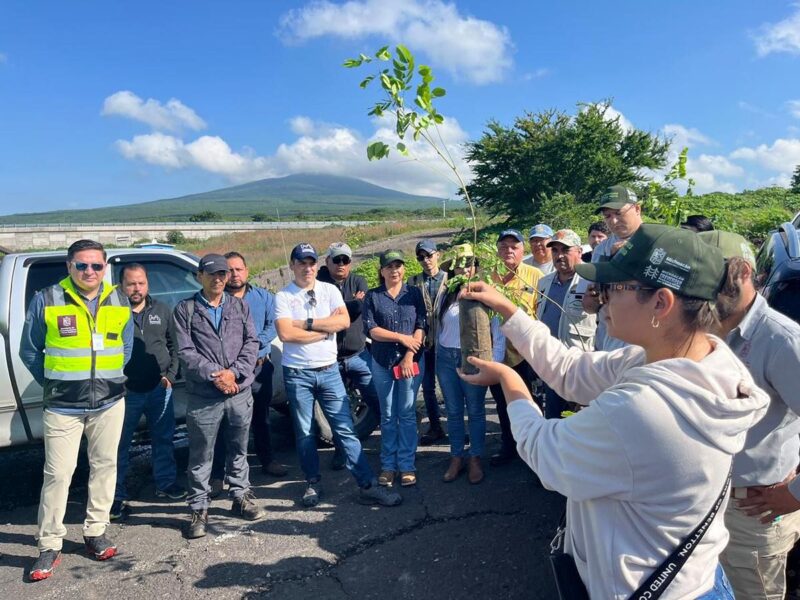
(114, 102)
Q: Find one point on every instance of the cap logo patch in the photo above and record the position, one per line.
(651, 272)
(678, 264)
(306, 248)
(670, 280)
(658, 255)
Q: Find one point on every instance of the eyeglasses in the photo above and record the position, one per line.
(312, 298)
(82, 266)
(608, 213)
(421, 256)
(605, 288)
(341, 260)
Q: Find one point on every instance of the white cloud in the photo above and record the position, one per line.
(782, 156)
(794, 108)
(319, 148)
(685, 137)
(783, 36)
(537, 74)
(471, 49)
(172, 116)
(718, 165)
(209, 153)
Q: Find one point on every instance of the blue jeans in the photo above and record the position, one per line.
(722, 588)
(457, 393)
(157, 407)
(303, 388)
(398, 419)
(359, 369)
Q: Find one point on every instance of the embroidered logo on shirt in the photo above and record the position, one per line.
(67, 326)
(154, 319)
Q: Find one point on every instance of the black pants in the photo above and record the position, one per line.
(528, 376)
(429, 387)
(262, 397)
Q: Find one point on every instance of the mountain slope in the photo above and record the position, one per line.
(306, 194)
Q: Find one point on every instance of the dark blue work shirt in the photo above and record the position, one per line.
(403, 314)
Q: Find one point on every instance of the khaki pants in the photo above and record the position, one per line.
(62, 439)
(755, 559)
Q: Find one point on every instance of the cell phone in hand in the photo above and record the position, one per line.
(398, 372)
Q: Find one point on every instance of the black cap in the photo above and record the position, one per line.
(213, 263)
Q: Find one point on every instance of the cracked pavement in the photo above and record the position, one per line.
(445, 541)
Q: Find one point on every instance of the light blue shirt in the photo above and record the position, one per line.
(768, 343)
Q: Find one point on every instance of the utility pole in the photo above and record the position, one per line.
(444, 209)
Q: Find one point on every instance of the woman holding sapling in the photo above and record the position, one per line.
(459, 394)
(645, 466)
(394, 317)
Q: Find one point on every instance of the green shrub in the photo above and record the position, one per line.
(369, 268)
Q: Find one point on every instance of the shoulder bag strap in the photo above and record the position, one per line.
(659, 580)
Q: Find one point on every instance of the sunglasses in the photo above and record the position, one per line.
(421, 256)
(82, 266)
(605, 288)
(341, 260)
(312, 298)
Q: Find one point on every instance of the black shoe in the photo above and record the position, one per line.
(338, 462)
(245, 508)
(197, 527)
(273, 468)
(119, 510)
(503, 457)
(100, 546)
(44, 566)
(435, 434)
(173, 492)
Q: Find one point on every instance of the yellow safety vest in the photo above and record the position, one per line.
(84, 354)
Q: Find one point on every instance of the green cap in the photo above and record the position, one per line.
(731, 244)
(616, 197)
(661, 256)
(391, 256)
(460, 255)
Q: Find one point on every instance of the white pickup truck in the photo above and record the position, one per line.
(172, 277)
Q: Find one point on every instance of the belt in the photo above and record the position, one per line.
(317, 369)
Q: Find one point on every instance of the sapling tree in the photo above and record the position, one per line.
(409, 98)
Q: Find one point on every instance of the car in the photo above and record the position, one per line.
(778, 269)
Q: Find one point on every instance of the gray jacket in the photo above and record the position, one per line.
(203, 350)
(576, 328)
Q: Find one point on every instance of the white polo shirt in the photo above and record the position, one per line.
(292, 302)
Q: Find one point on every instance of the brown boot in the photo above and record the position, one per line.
(475, 471)
(454, 469)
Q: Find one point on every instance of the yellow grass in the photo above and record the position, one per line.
(264, 250)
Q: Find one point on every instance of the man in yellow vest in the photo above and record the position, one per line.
(77, 338)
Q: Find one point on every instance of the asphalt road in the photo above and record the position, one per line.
(445, 541)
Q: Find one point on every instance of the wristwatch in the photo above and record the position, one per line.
(309, 323)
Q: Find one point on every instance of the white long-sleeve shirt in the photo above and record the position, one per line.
(644, 462)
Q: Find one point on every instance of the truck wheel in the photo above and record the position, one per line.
(365, 419)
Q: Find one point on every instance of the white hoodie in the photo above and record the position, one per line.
(643, 464)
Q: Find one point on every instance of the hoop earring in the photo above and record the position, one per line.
(655, 323)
